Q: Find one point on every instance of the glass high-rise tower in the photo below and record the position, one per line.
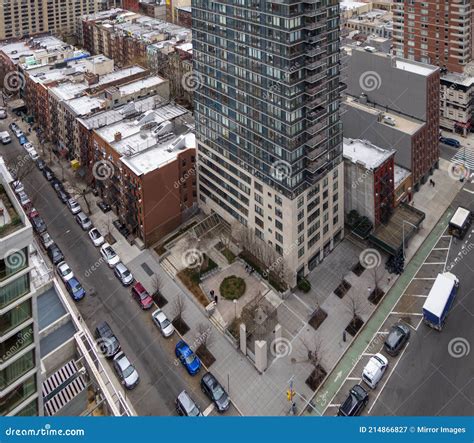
(268, 123)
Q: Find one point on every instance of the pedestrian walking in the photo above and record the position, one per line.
(215, 299)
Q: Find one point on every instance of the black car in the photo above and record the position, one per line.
(48, 174)
(56, 184)
(38, 224)
(40, 163)
(397, 338)
(63, 195)
(107, 342)
(355, 403)
(55, 254)
(104, 207)
(213, 389)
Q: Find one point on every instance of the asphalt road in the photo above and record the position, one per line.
(436, 374)
(106, 299)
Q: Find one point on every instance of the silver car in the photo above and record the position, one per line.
(84, 221)
(126, 371)
(162, 322)
(123, 274)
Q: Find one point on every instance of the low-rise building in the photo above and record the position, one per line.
(394, 103)
(457, 103)
(368, 180)
(151, 156)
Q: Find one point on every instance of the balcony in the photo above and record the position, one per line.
(316, 114)
(314, 129)
(313, 154)
(316, 140)
(317, 165)
(316, 77)
(313, 25)
(313, 52)
(312, 90)
(315, 64)
(316, 101)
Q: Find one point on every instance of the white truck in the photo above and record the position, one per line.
(5, 137)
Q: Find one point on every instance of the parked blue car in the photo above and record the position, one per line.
(450, 142)
(75, 289)
(187, 357)
(22, 140)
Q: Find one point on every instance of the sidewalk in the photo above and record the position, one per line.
(345, 364)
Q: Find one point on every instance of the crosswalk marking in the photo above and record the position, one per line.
(459, 157)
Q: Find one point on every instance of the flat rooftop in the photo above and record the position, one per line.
(402, 123)
(365, 153)
(400, 174)
(50, 308)
(24, 48)
(138, 85)
(10, 221)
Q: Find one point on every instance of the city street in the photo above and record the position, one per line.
(106, 299)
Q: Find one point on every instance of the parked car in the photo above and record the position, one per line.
(3, 113)
(75, 289)
(64, 271)
(33, 154)
(106, 340)
(126, 371)
(48, 174)
(96, 237)
(186, 406)
(18, 132)
(104, 207)
(56, 184)
(5, 138)
(55, 254)
(28, 146)
(63, 195)
(374, 370)
(38, 224)
(40, 163)
(17, 186)
(162, 322)
(140, 294)
(109, 255)
(23, 198)
(397, 338)
(73, 206)
(214, 390)
(450, 142)
(83, 221)
(123, 274)
(187, 357)
(32, 212)
(355, 402)
(22, 139)
(46, 240)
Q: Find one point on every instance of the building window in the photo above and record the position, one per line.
(14, 290)
(15, 317)
(18, 395)
(17, 369)
(301, 253)
(279, 237)
(258, 187)
(258, 198)
(259, 222)
(300, 227)
(278, 200)
(278, 225)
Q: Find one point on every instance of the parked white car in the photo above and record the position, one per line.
(109, 255)
(96, 237)
(73, 206)
(33, 154)
(29, 146)
(64, 271)
(17, 186)
(162, 322)
(374, 370)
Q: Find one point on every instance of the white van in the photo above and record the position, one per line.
(5, 137)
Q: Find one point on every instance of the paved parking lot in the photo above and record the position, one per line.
(409, 310)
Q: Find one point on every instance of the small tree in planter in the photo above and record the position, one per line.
(203, 339)
(353, 305)
(156, 284)
(179, 308)
(312, 348)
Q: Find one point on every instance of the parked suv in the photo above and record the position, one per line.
(106, 340)
(123, 274)
(450, 142)
(397, 338)
(355, 403)
(186, 406)
(55, 254)
(214, 390)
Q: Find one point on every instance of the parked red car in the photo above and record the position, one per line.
(140, 294)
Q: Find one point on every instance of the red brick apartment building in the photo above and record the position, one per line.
(434, 31)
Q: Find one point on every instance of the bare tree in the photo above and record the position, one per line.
(155, 283)
(204, 335)
(353, 305)
(179, 308)
(21, 167)
(377, 277)
(82, 191)
(312, 349)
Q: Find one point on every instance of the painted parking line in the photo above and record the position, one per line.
(440, 249)
(416, 295)
(388, 378)
(424, 278)
(209, 409)
(354, 378)
(434, 263)
(419, 323)
(334, 405)
(406, 313)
